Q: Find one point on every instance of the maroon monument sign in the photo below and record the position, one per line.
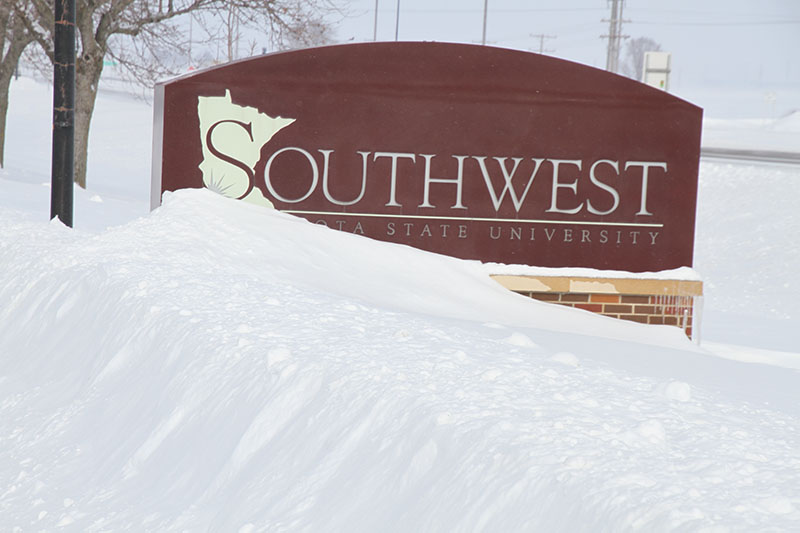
(476, 152)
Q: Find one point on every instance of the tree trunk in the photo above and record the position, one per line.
(89, 68)
(4, 87)
(18, 40)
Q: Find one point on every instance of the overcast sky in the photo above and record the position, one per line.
(720, 45)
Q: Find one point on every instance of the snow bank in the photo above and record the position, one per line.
(216, 366)
(746, 224)
(748, 254)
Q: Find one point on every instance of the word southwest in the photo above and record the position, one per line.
(506, 179)
(566, 196)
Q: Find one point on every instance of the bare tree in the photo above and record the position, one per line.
(14, 38)
(300, 29)
(634, 56)
(140, 34)
(312, 32)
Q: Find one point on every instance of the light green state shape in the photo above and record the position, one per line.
(232, 140)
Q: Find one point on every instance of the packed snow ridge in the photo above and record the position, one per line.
(218, 366)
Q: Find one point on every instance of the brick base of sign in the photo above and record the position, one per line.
(667, 302)
(645, 309)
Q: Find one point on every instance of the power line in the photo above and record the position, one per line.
(498, 10)
(749, 23)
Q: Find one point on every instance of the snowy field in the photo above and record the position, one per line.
(214, 366)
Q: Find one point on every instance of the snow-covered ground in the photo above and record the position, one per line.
(216, 366)
(781, 135)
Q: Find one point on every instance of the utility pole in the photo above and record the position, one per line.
(375, 27)
(61, 187)
(397, 22)
(542, 37)
(614, 35)
(485, 14)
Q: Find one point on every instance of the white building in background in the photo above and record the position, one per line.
(656, 69)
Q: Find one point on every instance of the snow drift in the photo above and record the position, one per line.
(217, 366)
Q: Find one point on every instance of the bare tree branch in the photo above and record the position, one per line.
(634, 55)
(147, 39)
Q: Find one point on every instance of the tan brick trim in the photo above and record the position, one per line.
(600, 285)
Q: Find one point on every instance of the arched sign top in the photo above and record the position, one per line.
(473, 151)
(417, 68)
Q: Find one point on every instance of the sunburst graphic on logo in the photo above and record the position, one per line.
(232, 137)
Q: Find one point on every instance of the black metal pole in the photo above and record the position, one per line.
(63, 112)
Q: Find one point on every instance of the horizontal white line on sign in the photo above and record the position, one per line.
(473, 219)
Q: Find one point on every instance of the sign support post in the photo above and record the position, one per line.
(61, 190)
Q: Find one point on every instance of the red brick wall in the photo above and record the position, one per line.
(645, 309)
